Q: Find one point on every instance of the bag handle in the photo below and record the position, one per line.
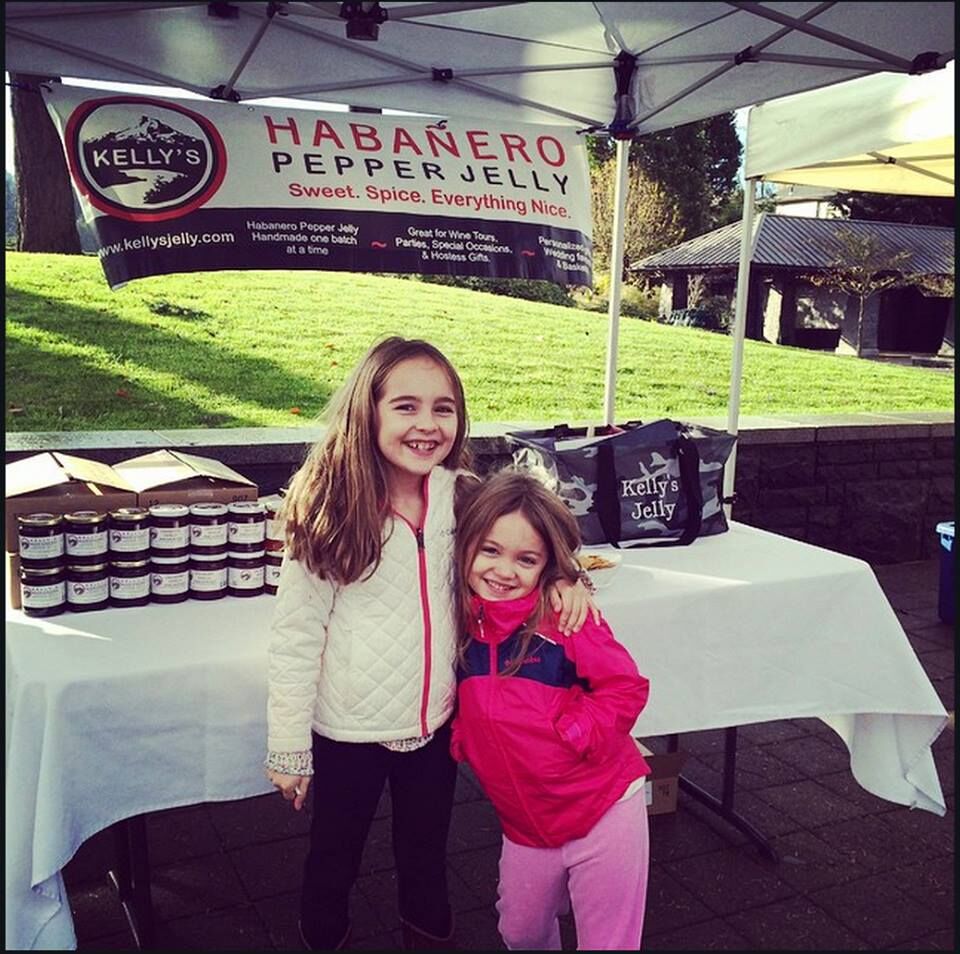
(608, 507)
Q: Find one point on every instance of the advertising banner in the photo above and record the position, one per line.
(183, 186)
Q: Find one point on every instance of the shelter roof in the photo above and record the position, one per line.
(785, 241)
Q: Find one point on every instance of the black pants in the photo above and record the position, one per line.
(347, 782)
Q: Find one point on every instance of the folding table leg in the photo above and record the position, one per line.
(131, 878)
(723, 806)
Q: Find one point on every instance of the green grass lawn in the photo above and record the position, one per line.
(240, 349)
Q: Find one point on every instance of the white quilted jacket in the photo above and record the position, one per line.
(372, 661)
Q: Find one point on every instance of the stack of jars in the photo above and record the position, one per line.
(274, 543)
(129, 546)
(88, 560)
(42, 566)
(246, 535)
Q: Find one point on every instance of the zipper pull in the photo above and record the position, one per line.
(420, 543)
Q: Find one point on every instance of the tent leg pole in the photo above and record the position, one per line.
(616, 279)
(739, 333)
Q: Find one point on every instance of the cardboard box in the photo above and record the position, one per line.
(60, 483)
(663, 780)
(175, 477)
(13, 580)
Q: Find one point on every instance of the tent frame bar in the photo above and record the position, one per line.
(801, 26)
(159, 79)
(747, 245)
(616, 279)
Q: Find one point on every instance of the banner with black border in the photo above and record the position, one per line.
(184, 186)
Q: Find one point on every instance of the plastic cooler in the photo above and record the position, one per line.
(946, 604)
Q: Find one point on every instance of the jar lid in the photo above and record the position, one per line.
(246, 506)
(168, 559)
(130, 513)
(85, 516)
(256, 555)
(92, 568)
(272, 504)
(275, 555)
(128, 564)
(43, 571)
(39, 519)
(169, 510)
(214, 554)
(208, 509)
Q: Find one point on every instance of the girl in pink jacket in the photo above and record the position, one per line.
(544, 721)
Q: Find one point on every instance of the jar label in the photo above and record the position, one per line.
(43, 595)
(88, 591)
(274, 529)
(130, 587)
(208, 535)
(86, 544)
(169, 538)
(130, 541)
(272, 575)
(169, 584)
(41, 548)
(247, 532)
(208, 581)
(246, 578)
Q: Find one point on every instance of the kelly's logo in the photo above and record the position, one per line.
(144, 159)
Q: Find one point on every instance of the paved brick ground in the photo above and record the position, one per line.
(856, 872)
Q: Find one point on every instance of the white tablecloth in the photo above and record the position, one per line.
(120, 712)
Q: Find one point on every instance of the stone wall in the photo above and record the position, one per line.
(873, 486)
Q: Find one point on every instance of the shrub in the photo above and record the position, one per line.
(635, 302)
(528, 289)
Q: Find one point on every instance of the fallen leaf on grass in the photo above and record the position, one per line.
(123, 392)
(295, 410)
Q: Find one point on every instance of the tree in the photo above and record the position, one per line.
(695, 165)
(45, 216)
(862, 268)
(651, 219)
(911, 209)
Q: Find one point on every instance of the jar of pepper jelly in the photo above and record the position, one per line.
(245, 573)
(169, 578)
(275, 530)
(41, 539)
(208, 526)
(169, 527)
(129, 532)
(273, 560)
(208, 573)
(85, 537)
(246, 524)
(129, 582)
(88, 587)
(43, 590)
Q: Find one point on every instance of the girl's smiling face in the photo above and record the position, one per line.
(416, 419)
(509, 560)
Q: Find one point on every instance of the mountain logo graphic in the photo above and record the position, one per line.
(144, 160)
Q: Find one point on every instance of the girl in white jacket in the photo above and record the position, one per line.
(361, 663)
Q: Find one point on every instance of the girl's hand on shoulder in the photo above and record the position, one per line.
(572, 601)
(293, 788)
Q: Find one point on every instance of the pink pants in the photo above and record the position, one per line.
(605, 874)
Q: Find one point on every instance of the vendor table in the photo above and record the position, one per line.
(116, 713)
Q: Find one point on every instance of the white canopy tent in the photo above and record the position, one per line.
(623, 69)
(885, 133)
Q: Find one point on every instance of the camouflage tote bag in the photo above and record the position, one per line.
(657, 484)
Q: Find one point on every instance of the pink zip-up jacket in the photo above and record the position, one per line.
(550, 744)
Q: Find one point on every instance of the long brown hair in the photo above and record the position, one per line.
(513, 491)
(338, 500)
